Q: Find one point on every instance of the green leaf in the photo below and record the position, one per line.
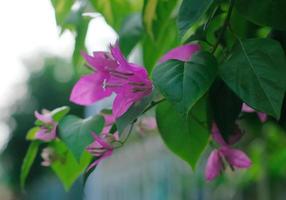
(115, 11)
(28, 162)
(226, 107)
(32, 133)
(76, 132)
(65, 165)
(190, 12)
(186, 137)
(133, 113)
(166, 39)
(255, 71)
(60, 112)
(62, 10)
(270, 13)
(184, 83)
(130, 33)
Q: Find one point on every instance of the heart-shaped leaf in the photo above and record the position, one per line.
(184, 83)
(186, 137)
(256, 71)
(76, 132)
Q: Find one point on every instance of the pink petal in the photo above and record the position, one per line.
(214, 166)
(99, 60)
(235, 136)
(89, 89)
(121, 105)
(118, 56)
(182, 53)
(246, 108)
(216, 135)
(96, 162)
(45, 118)
(45, 136)
(101, 141)
(262, 116)
(236, 157)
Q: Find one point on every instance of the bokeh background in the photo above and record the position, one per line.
(37, 71)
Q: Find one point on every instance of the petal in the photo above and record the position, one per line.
(45, 118)
(121, 105)
(101, 141)
(214, 166)
(236, 157)
(45, 136)
(262, 116)
(96, 162)
(182, 53)
(89, 89)
(118, 56)
(216, 135)
(235, 136)
(246, 108)
(99, 60)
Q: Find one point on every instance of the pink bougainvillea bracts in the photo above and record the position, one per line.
(262, 116)
(234, 157)
(102, 147)
(47, 131)
(112, 74)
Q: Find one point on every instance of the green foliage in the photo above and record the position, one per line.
(115, 11)
(226, 107)
(130, 33)
(28, 162)
(184, 83)
(76, 132)
(270, 13)
(60, 112)
(62, 9)
(186, 137)
(190, 12)
(255, 71)
(65, 165)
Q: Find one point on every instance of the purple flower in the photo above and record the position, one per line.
(262, 116)
(112, 74)
(233, 157)
(47, 131)
(102, 147)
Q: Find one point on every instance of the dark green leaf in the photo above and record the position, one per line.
(65, 165)
(28, 162)
(185, 137)
(76, 132)
(255, 71)
(133, 112)
(226, 107)
(190, 12)
(184, 83)
(270, 13)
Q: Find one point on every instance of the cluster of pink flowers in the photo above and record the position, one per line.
(47, 131)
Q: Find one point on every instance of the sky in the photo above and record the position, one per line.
(27, 28)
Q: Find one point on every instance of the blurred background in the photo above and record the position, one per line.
(39, 49)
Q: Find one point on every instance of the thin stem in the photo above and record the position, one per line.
(225, 25)
(154, 103)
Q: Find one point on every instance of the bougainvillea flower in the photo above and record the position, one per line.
(262, 116)
(47, 131)
(48, 156)
(235, 158)
(112, 74)
(101, 148)
(182, 53)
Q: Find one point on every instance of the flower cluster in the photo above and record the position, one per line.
(233, 157)
(47, 128)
